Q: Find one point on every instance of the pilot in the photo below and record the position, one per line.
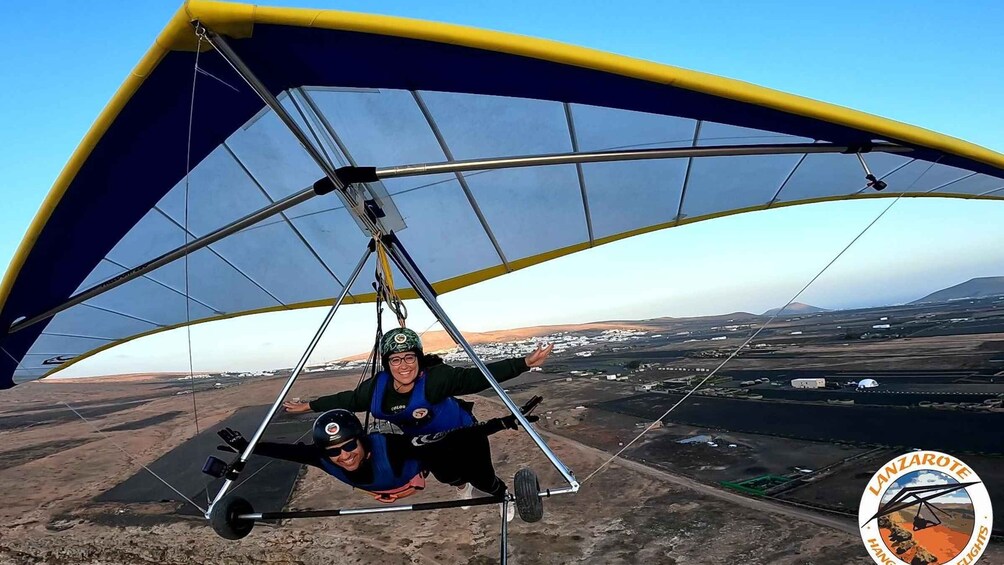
(394, 466)
(417, 392)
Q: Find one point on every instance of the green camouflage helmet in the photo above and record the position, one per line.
(398, 340)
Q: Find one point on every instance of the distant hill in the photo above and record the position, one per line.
(439, 341)
(796, 308)
(981, 287)
(730, 317)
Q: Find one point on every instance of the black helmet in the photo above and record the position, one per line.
(336, 426)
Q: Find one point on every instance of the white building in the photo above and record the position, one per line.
(818, 382)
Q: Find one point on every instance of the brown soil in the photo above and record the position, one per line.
(622, 515)
(123, 378)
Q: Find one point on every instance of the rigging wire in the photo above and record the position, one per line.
(201, 34)
(385, 283)
(383, 286)
(745, 343)
(429, 327)
(133, 459)
(12, 358)
(262, 468)
(188, 173)
(114, 443)
(370, 365)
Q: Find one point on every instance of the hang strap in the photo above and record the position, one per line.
(385, 284)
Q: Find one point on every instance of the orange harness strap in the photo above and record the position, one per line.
(416, 484)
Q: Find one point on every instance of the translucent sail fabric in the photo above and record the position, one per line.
(386, 92)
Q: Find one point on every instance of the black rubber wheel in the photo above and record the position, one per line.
(529, 506)
(225, 521)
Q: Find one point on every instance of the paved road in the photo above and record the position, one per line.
(269, 483)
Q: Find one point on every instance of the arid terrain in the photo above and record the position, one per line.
(55, 464)
(773, 474)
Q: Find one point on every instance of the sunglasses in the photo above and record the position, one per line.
(336, 451)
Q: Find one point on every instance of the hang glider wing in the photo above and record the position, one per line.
(385, 92)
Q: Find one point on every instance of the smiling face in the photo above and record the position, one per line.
(404, 369)
(348, 457)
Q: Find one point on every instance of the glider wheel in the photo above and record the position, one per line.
(528, 503)
(225, 521)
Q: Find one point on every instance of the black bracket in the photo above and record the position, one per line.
(859, 148)
(235, 469)
(347, 176)
(873, 181)
(373, 210)
(216, 467)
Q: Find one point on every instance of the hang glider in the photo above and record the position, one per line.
(921, 497)
(484, 152)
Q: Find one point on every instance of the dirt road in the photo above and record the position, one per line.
(761, 505)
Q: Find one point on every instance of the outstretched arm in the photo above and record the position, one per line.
(357, 400)
(297, 453)
(445, 381)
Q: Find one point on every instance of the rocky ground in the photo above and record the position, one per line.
(625, 514)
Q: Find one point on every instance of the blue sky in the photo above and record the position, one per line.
(926, 63)
(928, 478)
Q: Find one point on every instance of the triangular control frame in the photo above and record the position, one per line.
(372, 218)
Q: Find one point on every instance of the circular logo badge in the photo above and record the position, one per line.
(420, 413)
(400, 338)
(331, 428)
(925, 507)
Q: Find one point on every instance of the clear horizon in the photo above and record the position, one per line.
(317, 362)
(749, 262)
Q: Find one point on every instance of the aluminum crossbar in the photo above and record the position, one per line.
(385, 509)
(628, 155)
(173, 255)
(230, 56)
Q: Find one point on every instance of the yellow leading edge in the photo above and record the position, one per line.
(238, 21)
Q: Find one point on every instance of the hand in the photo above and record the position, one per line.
(296, 406)
(537, 357)
(512, 423)
(234, 439)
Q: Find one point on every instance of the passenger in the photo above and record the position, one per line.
(417, 394)
(393, 466)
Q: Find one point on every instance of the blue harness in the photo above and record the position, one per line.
(384, 478)
(420, 417)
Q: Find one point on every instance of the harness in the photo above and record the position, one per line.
(420, 417)
(386, 486)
